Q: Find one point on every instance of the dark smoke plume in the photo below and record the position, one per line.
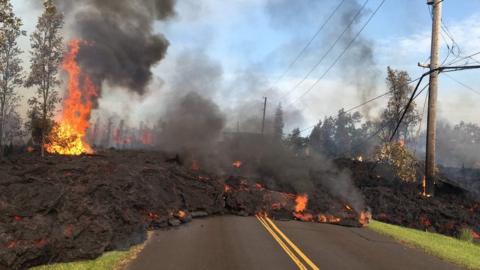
(358, 65)
(192, 127)
(123, 45)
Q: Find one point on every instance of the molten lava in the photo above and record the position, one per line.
(68, 137)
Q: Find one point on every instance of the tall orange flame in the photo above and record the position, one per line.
(68, 138)
(301, 203)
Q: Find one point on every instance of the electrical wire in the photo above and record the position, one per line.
(299, 55)
(341, 55)
(463, 84)
(328, 51)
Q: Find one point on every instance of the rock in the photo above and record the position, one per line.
(199, 214)
(174, 222)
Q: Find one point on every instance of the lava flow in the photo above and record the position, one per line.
(68, 136)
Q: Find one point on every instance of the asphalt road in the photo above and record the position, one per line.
(229, 243)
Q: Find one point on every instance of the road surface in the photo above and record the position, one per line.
(230, 243)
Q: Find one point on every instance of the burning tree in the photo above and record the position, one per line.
(10, 69)
(68, 137)
(47, 52)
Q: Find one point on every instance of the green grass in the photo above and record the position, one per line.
(114, 260)
(450, 249)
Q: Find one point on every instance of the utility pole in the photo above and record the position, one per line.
(264, 112)
(432, 97)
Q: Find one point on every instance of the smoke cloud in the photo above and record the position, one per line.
(123, 46)
(359, 67)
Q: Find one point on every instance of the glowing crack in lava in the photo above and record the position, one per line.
(68, 137)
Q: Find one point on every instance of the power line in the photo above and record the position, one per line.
(309, 43)
(341, 55)
(465, 58)
(365, 103)
(328, 51)
(368, 101)
(463, 84)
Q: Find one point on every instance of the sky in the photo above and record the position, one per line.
(246, 45)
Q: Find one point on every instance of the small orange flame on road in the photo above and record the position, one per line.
(68, 137)
(301, 203)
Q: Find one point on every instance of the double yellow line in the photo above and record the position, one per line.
(297, 256)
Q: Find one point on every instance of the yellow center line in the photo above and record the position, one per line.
(282, 244)
(294, 247)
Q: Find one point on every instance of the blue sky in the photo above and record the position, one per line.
(259, 38)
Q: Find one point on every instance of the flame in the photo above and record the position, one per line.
(152, 215)
(147, 137)
(259, 186)
(301, 203)
(195, 165)
(364, 218)
(425, 221)
(237, 164)
(328, 219)
(181, 214)
(424, 186)
(227, 188)
(12, 244)
(68, 138)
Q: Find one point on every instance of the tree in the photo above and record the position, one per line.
(345, 125)
(321, 138)
(278, 124)
(398, 84)
(10, 68)
(296, 142)
(47, 52)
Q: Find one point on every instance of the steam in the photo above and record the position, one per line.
(123, 46)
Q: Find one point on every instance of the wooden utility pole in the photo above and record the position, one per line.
(264, 112)
(432, 96)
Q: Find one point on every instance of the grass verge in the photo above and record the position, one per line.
(447, 248)
(114, 260)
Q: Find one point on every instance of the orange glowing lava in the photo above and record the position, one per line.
(301, 203)
(364, 218)
(68, 137)
(307, 217)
